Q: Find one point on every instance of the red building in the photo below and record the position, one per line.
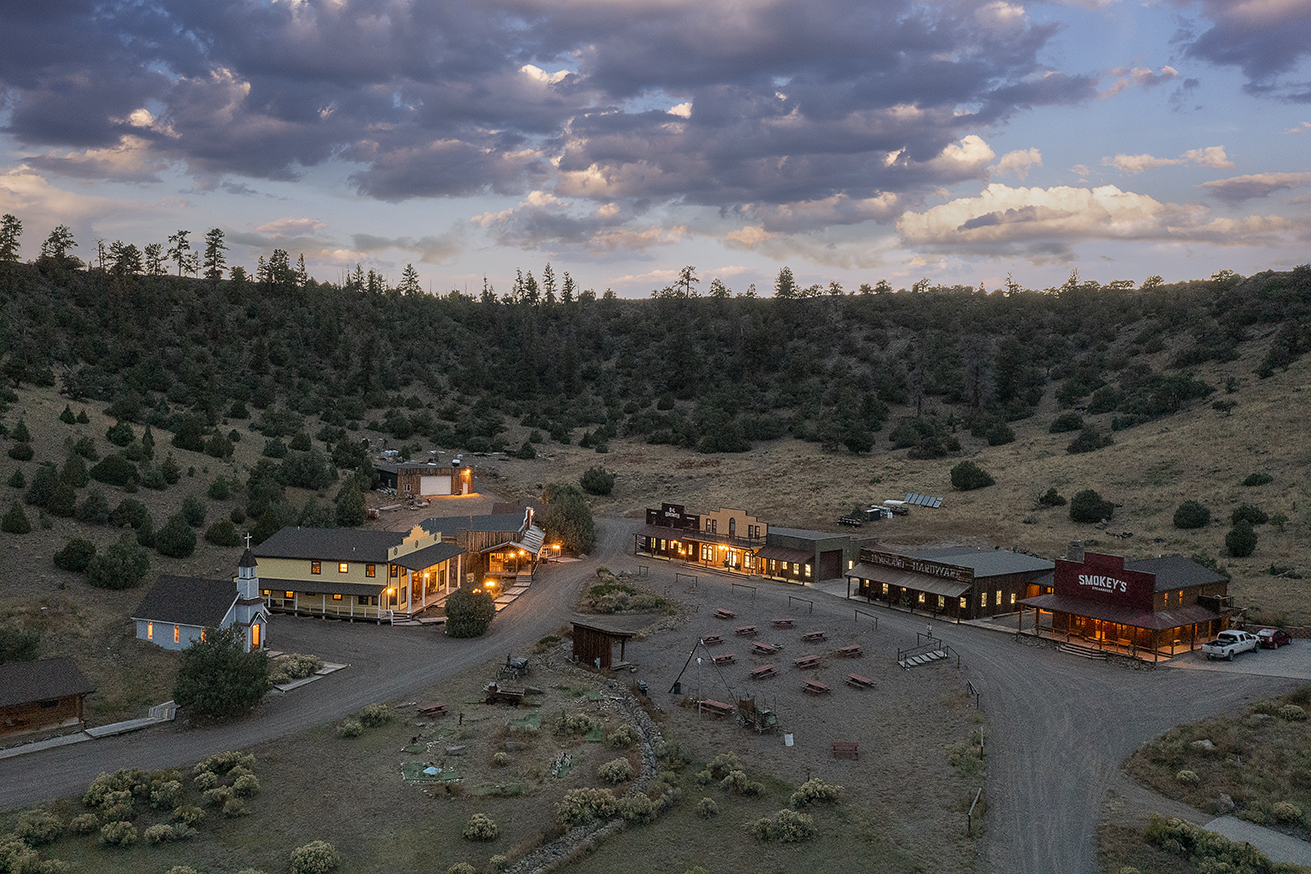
(1157, 606)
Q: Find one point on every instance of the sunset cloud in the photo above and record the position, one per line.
(1212, 156)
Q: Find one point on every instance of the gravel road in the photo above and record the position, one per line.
(1059, 725)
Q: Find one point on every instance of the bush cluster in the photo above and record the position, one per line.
(1088, 506)
(787, 826)
(615, 771)
(294, 666)
(481, 828)
(1207, 850)
(624, 735)
(967, 476)
(815, 791)
(1052, 498)
(637, 809)
(574, 723)
(1191, 514)
(596, 481)
(583, 805)
(316, 857)
(706, 808)
(375, 715)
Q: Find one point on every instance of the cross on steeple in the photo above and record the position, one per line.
(248, 540)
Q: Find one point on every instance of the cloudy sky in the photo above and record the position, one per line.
(852, 140)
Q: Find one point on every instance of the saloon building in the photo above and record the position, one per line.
(1149, 607)
(735, 541)
(954, 583)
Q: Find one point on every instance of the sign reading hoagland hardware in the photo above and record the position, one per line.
(1103, 578)
(919, 565)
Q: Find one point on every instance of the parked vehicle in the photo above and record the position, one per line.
(1228, 644)
(1273, 638)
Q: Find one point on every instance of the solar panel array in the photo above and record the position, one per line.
(923, 500)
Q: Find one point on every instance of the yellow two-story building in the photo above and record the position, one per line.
(376, 576)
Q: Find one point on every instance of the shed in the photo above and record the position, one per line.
(592, 642)
(43, 694)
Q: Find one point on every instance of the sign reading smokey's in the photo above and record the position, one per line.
(1103, 578)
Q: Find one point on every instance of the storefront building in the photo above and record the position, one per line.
(1146, 608)
(953, 583)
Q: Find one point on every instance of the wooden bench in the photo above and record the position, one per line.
(813, 636)
(712, 640)
(805, 663)
(715, 708)
(746, 631)
(726, 659)
(815, 687)
(784, 623)
(763, 648)
(846, 750)
(764, 671)
(851, 652)
(433, 711)
(721, 613)
(859, 682)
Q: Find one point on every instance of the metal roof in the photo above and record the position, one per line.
(1175, 572)
(1159, 620)
(187, 601)
(986, 562)
(330, 544)
(491, 522)
(908, 580)
(428, 556)
(783, 553)
(42, 680)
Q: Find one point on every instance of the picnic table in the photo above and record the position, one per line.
(494, 693)
(784, 623)
(815, 687)
(763, 671)
(434, 710)
(846, 749)
(726, 659)
(715, 708)
(721, 613)
(851, 652)
(805, 663)
(760, 648)
(859, 682)
(813, 636)
(746, 631)
(712, 640)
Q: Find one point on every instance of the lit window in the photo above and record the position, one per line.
(394, 571)
(885, 590)
(288, 595)
(998, 601)
(202, 635)
(942, 602)
(921, 598)
(964, 604)
(266, 593)
(177, 634)
(983, 599)
(1012, 599)
(336, 597)
(254, 636)
(315, 567)
(370, 570)
(343, 567)
(150, 631)
(807, 570)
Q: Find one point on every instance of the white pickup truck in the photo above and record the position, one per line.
(1227, 644)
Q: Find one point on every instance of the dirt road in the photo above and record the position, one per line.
(1059, 725)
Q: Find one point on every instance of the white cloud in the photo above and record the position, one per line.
(1300, 129)
(1019, 162)
(539, 75)
(1211, 156)
(682, 110)
(291, 227)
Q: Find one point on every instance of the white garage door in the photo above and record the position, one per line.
(435, 485)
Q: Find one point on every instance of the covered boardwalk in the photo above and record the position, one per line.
(1146, 608)
(955, 583)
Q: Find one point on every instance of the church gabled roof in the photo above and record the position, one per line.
(187, 601)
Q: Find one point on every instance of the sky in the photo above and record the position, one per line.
(621, 140)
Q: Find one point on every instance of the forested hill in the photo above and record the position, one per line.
(712, 373)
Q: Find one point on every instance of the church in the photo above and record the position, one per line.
(178, 610)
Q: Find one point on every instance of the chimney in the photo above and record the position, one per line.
(1075, 551)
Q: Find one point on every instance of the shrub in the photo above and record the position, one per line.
(1066, 422)
(616, 771)
(1188, 778)
(706, 808)
(193, 511)
(118, 834)
(1090, 439)
(500, 760)
(637, 809)
(787, 826)
(967, 476)
(167, 795)
(75, 556)
(595, 481)
(1292, 713)
(246, 786)
(120, 433)
(1191, 514)
(121, 566)
(469, 613)
(623, 736)
(1258, 479)
(1241, 539)
(583, 805)
(15, 521)
(39, 827)
(235, 807)
(1286, 812)
(218, 796)
(815, 791)
(462, 868)
(116, 470)
(1253, 514)
(294, 666)
(316, 857)
(205, 781)
(84, 824)
(94, 509)
(999, 434)
(18, 644)
(1052, 498)
(526, 451)
(223, 533)
(721, 764)
(176, 539)
(21, 452)
(158, 834)
(375, 715)
(190, 814)
(481, 827)
(1088, 506)
(17, 480)
(218, 678)
(222, 763)
(349, 728)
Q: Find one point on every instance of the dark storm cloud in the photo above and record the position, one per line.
(1265, 40)
(777, 102)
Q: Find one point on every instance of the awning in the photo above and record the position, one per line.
(429, 556)
(1158, 621)
(669, 533)
(909, 580)
(533, 539)
(782, 553)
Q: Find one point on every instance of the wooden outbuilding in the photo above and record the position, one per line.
(41, 695)
(594, 645)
